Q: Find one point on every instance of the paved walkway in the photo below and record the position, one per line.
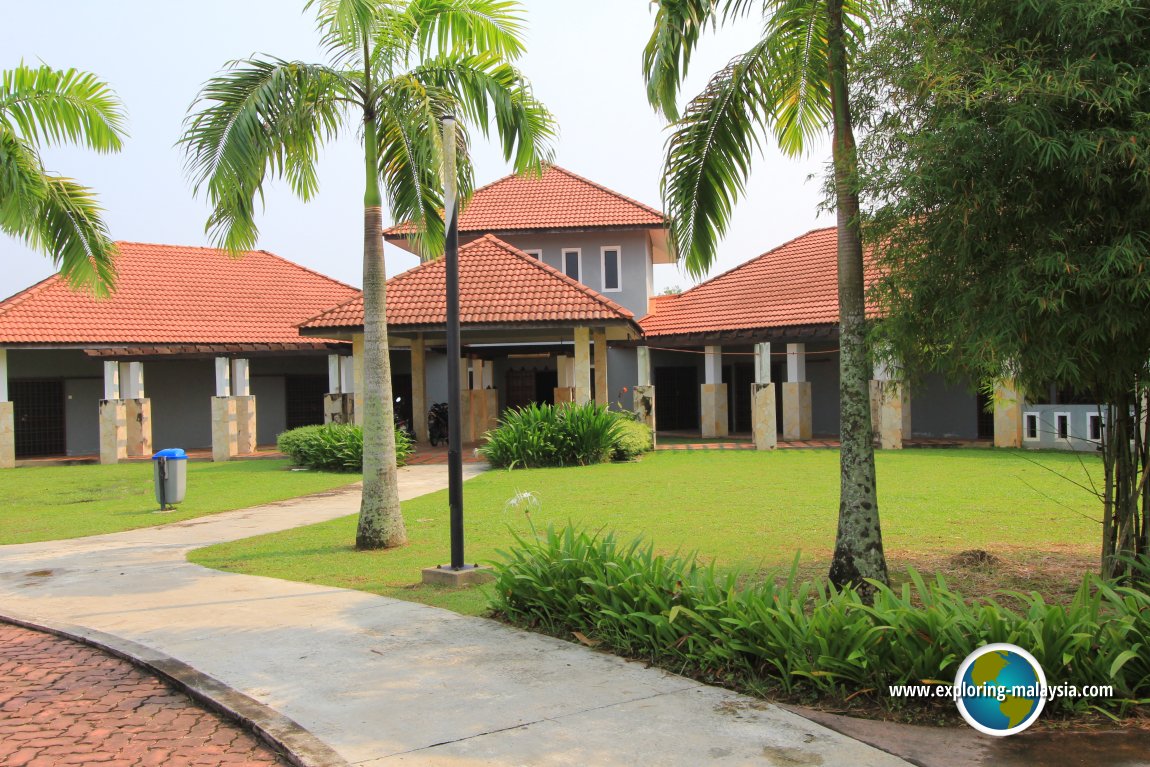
(386, 682)
(64, 703)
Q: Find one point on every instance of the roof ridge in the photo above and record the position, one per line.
(552, 271)
(610, 191)
(754, 259)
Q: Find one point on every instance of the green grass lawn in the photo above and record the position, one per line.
(746, 510)
(52, 502)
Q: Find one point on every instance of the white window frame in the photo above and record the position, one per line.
(578, 262)
(1037, 426)
(536, 253)
(1091, 419)
(618, 268)
(1069, 426)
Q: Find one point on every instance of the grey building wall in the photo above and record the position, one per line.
(634, 261)
(1040, 427)
(181, 392)
(940, 409)
(622, 371)
(82, 415)
(270, 392)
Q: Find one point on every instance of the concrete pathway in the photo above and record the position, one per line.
(386, 682)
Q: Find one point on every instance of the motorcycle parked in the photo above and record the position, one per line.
(437, 423)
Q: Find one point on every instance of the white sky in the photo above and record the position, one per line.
(584, 60)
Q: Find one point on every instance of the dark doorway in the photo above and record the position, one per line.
(303, 400)
(739, 379)
(545, 383)
(677, 398)
(38, 410)
(985, 416)
(401, 392)
(779, 375)
(520, 387)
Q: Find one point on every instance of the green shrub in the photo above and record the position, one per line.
(809, 638)
(548, 435)
(334, 446)
(635, 438)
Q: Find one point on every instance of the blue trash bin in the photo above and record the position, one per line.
(171, 476)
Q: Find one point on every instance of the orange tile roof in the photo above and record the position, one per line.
(794, 284)
(558, 199)
(170, 294)
(498, 285)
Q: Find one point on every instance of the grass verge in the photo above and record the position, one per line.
(744, 510)
(47, 503)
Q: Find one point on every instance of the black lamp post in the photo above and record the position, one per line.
(454, 404)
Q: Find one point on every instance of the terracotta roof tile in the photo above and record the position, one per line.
(170, 294)
(497, 285)
(794, 284)
(558, 199)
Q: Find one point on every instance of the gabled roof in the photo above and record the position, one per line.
(498, 285)
(557, 200)
(796, 284)
(171, 294)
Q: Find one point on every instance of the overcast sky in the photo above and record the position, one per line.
(583, 58)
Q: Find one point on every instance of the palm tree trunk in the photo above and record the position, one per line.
(858, 545)
(380, 520)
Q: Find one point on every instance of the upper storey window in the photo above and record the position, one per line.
(612, 278)
(571, 263)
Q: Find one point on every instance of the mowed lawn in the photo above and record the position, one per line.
(746, 510)
(47, 503)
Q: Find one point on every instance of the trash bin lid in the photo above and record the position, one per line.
(172, 454)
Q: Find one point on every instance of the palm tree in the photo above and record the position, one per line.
(42, 107)
(793, 82)
(395, 68)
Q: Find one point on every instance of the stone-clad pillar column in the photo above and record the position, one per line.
(7, 418)
(138, 409)
(644, 394)
(1007, 414)
(245, 408)
(890, 408)
(582, 393)
(713, 395)
(225, 437)
(602, 394)
(797, 395)
(764, 428)
(419, 388)
(113, 417)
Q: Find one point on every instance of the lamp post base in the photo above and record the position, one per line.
(468, 575)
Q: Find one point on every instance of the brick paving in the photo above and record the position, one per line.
(64, 703)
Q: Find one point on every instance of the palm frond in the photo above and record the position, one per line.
(709, 154)
(259, 118)
(49, 106)
(56, 216)
(345, 24)
(679, 25)
(489, 93)
(466, 26)
(410, 157)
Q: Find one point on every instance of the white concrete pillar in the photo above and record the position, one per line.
(347, 374)
(582, 383)
(763, 422)
(334, 375)
(223, 377)
(241, 381)
(643, 359)
(565, 379)
(797, 395)
(111, 380)
(602, 391)
(3, 375)
(488, 374)
(713, 395)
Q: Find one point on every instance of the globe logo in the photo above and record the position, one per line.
(1000, 689)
